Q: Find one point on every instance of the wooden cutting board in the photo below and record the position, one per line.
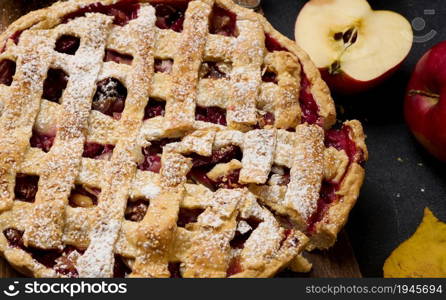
(337, 262)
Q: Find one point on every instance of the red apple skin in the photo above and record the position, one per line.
(425, 103)
(344, 84)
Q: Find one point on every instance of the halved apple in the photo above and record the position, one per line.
(354, 47)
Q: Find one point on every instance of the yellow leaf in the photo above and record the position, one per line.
(423, 254)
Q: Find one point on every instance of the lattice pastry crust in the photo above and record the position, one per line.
(166, 139)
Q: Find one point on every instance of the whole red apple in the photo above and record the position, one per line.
(354, 47)
(425, 105)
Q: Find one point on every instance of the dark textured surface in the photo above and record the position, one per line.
(392, 199)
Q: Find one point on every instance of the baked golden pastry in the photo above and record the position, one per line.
(166, 139)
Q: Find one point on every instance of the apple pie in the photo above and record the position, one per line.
(166, 139)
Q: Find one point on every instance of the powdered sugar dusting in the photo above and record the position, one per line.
(98, 260)
(258, 146)
(150, 191)
(223, 214)
(248, 57)
(307, 171)
(180, 108)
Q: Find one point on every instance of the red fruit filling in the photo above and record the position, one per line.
(272, 44)
(203, 164)
(266, 119)
(286, 178)
(234, 267)
(67, 44)
(214, 115)
(327, 197)
(287, 233)
(64, 265)
(198, 175)
(174, 270)
(42, 141)
(111, 55)
(136, 210)
(54, 84)
(15, 37)
(14, 237)
(26, 187)
(59, 261)
(98, 151)
(163, 65)
(154, 109)
(238, 242)
(229, 181)
(123, 11)
(152, 155)
(269, 76)
(340, 140)
(7, 71)
(310, 110)
(91, 193)
(151, 163)
(187, 216)
(212, 70)
(171, 16)
(222, 155)
(110, 98)
(223, 22)
(120, 268)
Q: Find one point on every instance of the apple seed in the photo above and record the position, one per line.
(338, 36)
(335, 68)
(347, 35)
(350, 37)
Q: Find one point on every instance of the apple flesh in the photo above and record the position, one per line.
(425, 103)
(354, 47)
